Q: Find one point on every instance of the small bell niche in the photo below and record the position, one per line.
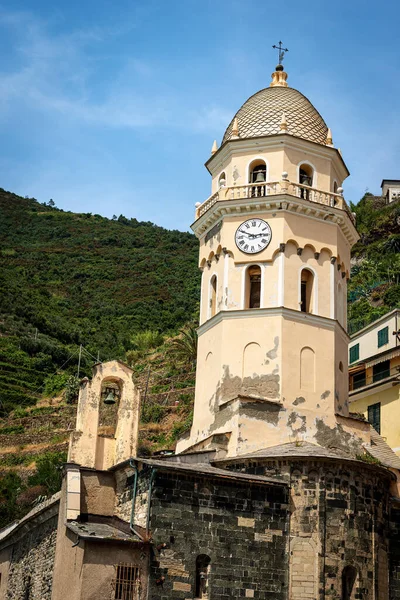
(108, 409)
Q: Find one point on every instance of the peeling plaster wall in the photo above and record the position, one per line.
(271, 372)
(100, 568)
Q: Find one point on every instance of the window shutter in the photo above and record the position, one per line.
(383, 336)
(354, 353)
(374, 416)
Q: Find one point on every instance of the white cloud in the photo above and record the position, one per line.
(56, 75)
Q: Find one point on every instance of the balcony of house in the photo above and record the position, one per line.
(275, 188)
(364, 377)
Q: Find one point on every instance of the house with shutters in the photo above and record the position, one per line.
(374, 376)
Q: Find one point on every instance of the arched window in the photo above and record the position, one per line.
(222, 180)
(213, 295)
(306, 290)
(203, 564)
(28, 588)
(335, 187)
(306, 177)
(349, 576)
(258, 176)
(108, 408)
(253, 287)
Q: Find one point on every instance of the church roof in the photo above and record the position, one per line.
(261, 116)
(382, 451)
(207, 469)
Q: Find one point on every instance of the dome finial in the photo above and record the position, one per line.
(329, 140)
(279, 77)
(214, 147)
(235, 129)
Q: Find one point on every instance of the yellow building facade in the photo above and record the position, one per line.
(275, 239)
(374, 376)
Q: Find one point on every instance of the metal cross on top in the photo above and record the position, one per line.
(281, 52)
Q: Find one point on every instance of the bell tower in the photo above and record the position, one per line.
(275, 238)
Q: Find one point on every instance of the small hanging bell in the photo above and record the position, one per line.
(260, 177)
(110, 398)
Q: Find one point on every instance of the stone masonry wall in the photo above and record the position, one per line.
(32, 563)
(394, 554)
(124, 493)
(339, 520)
(240, 526)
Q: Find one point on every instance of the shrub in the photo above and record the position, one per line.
(55, 384)
(12, 430)
(153, 413)
(48, 471)
(20, 413)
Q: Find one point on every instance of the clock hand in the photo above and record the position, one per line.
(246, 233)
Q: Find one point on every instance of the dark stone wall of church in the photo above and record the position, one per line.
(394, 550)
(339, 527)
(240, 526)
(32, 560)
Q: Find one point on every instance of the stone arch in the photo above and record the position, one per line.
(203, 568)
(252, 359)
(305, 254)
(88, 447)
(307, 369)
(303, 569)
(253, 286)
(291, 248)
(349, 577)
(308, 290)
(325, 254)
(222, 180)
(212, 295)
(255, 162)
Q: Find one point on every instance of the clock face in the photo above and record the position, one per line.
(253, 235)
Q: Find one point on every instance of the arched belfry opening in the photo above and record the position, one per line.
(108, 408)
(213, 295)
(258, 177)
(203, 567)
(253, 287)
(307, 291)
(306, 178)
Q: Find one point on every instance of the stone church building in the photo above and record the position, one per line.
(278, 492)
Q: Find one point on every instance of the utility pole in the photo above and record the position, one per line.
(79, 360)
(147, 385)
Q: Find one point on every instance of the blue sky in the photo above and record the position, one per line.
(111, 106)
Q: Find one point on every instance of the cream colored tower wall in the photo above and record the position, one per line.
(280, 277)
(251, 367)
(283, 357)
(280, 153)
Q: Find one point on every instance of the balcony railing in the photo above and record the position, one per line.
(264, 190)
(358, 381)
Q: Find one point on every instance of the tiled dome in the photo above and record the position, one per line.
(261, 115)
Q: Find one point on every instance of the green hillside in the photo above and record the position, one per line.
(374, 287)
(68, 279)
(123, 289)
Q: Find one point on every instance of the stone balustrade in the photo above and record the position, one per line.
(265, 189)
